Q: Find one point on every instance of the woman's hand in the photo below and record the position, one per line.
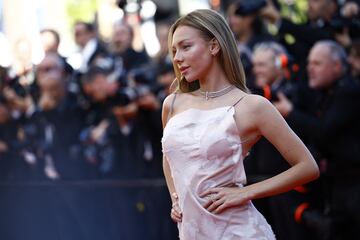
(176, 214)
(221, 198)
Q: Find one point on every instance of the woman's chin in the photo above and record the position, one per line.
(190, 79)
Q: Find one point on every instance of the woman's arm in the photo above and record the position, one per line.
(175, 211)
(273, 127)
(267, 121)
(165, 116)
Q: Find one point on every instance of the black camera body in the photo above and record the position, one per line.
(126, 95)
(136, 84)
(337, 24)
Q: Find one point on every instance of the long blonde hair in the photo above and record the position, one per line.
(211, 25)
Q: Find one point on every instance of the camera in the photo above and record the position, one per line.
(126, 95)
(140, 82)
(337, 24)
(249, 7)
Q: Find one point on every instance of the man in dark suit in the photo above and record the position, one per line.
(91, 49)
(121, 42)
(265, 160)
(335, 132)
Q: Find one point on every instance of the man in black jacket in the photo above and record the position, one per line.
(335, 132)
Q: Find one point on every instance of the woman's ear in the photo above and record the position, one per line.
(214, 47)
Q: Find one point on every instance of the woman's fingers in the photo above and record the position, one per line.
(215, 205)
(208, 192)
(176, 215)
(219, 199)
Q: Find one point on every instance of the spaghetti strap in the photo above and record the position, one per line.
(171, 107)
(237, 102)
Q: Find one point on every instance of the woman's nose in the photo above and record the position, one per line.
(177, 57)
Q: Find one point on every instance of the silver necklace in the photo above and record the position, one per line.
(215, 94)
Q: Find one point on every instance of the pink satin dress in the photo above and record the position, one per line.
(204, 150)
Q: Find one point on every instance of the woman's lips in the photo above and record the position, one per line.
(183, 69)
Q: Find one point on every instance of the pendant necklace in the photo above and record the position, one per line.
(215, 94)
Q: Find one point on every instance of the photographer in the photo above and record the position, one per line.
(269, 78)
(96, 147)
(18, 130)
(264, 161)
(334, 130)
(121, 47)
(113, 140)
(57, 143)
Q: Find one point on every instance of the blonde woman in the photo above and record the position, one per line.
(210, 124)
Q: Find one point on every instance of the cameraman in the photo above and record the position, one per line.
(335, 131)
(121, 47)
(113, 140)
(264, 160)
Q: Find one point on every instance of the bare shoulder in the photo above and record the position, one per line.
(171, 103)
(256, 110)
(167, 102)
(166, 107)
(255, 104)
(264, 116)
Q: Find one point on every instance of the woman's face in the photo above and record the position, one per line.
(191, 53)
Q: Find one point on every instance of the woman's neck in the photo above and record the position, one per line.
(215, 81)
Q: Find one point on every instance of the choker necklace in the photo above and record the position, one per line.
(216, 94)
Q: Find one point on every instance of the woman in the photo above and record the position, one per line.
(210, 124)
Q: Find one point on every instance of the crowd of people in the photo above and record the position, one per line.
(312, 78)
(102, 119)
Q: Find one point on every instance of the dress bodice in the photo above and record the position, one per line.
(204, 146)
(204, 150)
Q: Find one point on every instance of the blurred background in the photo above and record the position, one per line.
(81, 89)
